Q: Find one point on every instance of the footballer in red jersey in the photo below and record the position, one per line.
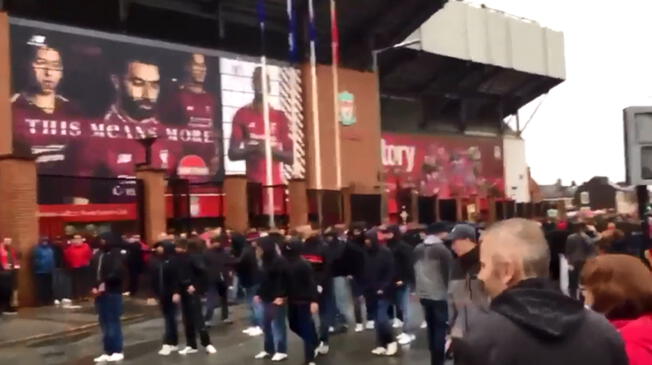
(45, 123)
(192, 106)
(248, 138)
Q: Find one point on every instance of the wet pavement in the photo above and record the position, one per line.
(143, 340)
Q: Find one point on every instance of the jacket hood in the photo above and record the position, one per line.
(168, 248)
(292, 250)
(269, 247)
(373, 237)
(538, 307)
(111, 240)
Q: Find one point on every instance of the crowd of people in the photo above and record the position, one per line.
(487, 296)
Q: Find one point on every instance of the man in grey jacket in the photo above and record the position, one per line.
(530, 322)
(432, 268)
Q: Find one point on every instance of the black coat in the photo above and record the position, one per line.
(108, 267)
(165, 272)
(218, 263)
(315, 251)
(192, 271)
(273, 283)
(535, 324)
(378, 270)
(301, 284)
(247, 268)
(403, 261)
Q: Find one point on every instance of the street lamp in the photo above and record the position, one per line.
(376, 69)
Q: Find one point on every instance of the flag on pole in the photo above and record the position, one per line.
(314, 94)
(335, 47)
(269, 189)
(293, 35)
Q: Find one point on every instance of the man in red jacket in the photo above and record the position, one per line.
(9, 266)
(78, 256)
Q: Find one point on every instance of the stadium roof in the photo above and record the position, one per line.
(232, 25)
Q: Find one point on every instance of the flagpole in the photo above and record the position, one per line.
(335, 45)
(315, 110)
(268, 145)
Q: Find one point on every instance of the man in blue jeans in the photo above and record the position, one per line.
(108, 273)
(248, 271)
(432, 268)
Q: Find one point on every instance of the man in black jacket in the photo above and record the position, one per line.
(315, 252)
(218, 261)
(165, 284)
(108, 274)
(249, 275)
(530, 322)
(271, 295)
(403, 280)
(192, 280)
(379, 271)
(303, 299)
(354, 260)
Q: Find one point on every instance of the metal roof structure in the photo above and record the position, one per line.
(232, 25)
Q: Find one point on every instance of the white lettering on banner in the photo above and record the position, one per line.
(398, 155)
(115, 131)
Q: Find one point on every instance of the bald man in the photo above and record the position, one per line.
(530, 322)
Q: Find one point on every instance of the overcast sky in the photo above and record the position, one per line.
(578, 131)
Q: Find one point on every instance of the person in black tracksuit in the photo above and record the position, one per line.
(378, 289)
(302, 297)
(108, 272)
(192, 284)
(165, 284)
(353, 264)
(219, 262)
(249, 276)
(403, 280)
(272, 295)
(316, 253)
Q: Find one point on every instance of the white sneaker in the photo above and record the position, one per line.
(257, 331)
(247, 330)
(323, 348)
(57, 302)
(359, 327)
(210, 349)
(370, 325)
(406, 339)
(187, 351)
(67, 301)
(380, 351)
(167, 350)
(312, 363)
(397, 323)
(116, 357)
(102, 358)
(331, 329)
(424, 325)
(392, 349)
(261, 355)
(279, 357)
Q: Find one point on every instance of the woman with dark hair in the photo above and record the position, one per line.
(620, 287)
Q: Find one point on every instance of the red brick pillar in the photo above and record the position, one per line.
(298, 207)
(154, 186)
(235, 203)
(18, 217)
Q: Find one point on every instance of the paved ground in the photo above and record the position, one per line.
(142, 341)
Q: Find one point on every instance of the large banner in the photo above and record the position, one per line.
(445, 166)
(82, 104)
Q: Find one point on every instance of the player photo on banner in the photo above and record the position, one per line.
(81, 104)
(243, 124)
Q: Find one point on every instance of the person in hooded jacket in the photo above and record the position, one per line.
(353, 264)
(249, 276)
(403, 280)
(530, 322)
(378, 291)
(465, 289)
(620, 287)
(192, 285)
(43, 264)
(315, 252)
(107, 268)
(336, 249)
(165, 283)
(303, 297)
(272, 295)
(219, 262)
